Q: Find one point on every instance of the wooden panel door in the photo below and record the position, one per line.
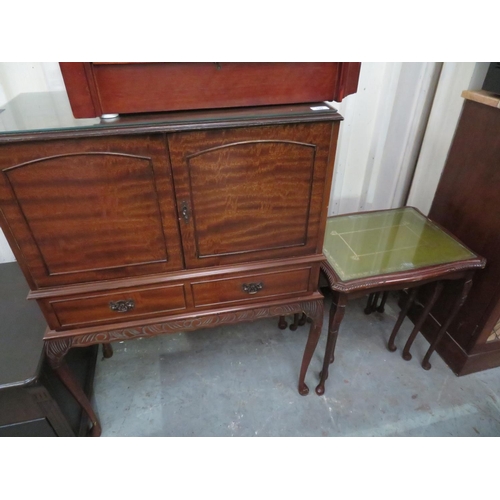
(251, 193)
(90, 209)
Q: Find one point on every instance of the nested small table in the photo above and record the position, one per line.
(388, 250)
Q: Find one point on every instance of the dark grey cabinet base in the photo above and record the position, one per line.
(45, 407)
(33, 401)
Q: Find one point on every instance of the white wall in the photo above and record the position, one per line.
(381, 135)
(17, 78)
(446, 109)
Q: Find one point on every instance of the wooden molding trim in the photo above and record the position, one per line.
(57, 344)
(396, 280)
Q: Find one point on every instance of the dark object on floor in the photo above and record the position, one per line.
(373, 305)
(466, 203)
(33, 401)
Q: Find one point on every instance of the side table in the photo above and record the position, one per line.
(33, 401)
(373, 252)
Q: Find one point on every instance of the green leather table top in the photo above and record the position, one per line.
(388, 241)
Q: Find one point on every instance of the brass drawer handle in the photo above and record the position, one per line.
(122, 306)
(252, 288)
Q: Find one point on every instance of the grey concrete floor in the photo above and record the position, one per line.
(241, 380)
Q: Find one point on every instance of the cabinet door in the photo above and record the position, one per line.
(90, 209)
(251, 193)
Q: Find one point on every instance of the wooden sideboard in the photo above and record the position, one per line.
(160, 223)
(466, 203)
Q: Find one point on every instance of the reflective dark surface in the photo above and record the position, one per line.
(51, 111)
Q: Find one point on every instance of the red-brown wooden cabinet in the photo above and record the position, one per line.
(157, 223)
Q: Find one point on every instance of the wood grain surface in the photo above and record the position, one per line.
(97, 88)
(95, 308)
(232, 289)
(91, 210)
(251, 193)
(466, 204)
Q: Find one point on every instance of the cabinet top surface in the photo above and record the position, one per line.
(48, 114)
(389, 241)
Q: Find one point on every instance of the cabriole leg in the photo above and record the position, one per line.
(381, 307)
(295, 323)
(467, 283)
(302, 320)
(313, 310)
(372, 299)
(337, 311)
(423, 316)
(402, 315)
(107, 350)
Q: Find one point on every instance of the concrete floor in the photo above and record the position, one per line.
(242, 381)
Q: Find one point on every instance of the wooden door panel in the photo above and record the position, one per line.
(250, 193)
(92, 209)
(252, 216)
(92, 216)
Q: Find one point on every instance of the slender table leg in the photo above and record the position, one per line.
(302, 320)
(337, 311)
(423, 316)
(107, 350)
(315, 312)
(381, 307)
(467, 283)
(402, 315)
(372, 303)
(295, 323)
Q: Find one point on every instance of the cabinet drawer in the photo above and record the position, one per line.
(115, 306)
(250, 287)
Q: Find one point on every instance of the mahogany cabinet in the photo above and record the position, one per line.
(166, 222)
(466, 203)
